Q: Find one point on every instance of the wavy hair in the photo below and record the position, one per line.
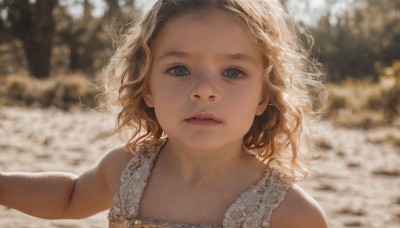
(291, 78)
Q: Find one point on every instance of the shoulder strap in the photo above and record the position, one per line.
(125, 204)
(255, 206)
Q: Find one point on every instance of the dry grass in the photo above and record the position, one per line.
(64, 91)
(363, 104)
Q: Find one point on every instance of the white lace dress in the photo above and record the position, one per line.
(252, 209)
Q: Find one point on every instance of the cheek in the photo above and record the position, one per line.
(165, 96)
(248, 98)
(243, 111)
(167, 103)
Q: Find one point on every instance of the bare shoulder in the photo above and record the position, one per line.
(115, 158)
(112, 165)
(298, 209)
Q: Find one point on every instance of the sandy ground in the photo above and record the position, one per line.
(356, 176)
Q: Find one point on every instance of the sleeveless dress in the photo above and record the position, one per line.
(252, 209)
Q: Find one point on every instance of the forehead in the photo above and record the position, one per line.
(206, 31)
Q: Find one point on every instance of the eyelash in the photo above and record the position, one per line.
(240, 71)
(170, 69)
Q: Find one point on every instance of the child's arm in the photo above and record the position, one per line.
(52, 195)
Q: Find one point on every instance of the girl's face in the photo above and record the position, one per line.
(206, 80)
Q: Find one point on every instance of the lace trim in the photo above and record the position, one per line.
(136, 223)
(252, 209)
(133, 181)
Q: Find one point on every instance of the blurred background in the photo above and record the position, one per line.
(52, 53)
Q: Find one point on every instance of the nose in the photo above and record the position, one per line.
(204, 88)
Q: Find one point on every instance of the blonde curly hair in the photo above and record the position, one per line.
(292, 78)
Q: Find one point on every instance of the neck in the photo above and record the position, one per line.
(198, 166)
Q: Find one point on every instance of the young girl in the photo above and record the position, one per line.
(217, 95)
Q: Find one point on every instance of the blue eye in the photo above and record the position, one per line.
(233, 73)
(179, 71)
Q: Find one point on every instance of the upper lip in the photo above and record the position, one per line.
(204, 115)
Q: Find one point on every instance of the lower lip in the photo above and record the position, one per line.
(200, 122)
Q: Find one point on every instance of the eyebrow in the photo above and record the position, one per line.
(233, 56)
(241, 56)
(178, 54)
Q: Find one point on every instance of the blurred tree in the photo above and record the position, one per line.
(361, 41)
(357, 42)
(81, 36)
(88, 37)
(52, 28)
(32, 22)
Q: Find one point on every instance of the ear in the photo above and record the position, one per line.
(148, 98)
(262, 105)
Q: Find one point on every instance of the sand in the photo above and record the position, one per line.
(356, 176)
